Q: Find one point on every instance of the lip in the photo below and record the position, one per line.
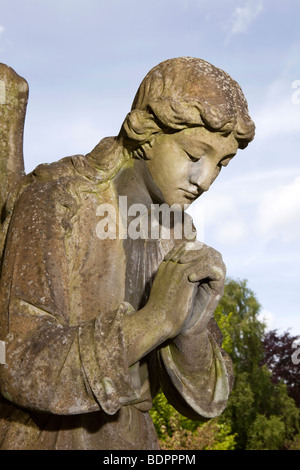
(191, 194)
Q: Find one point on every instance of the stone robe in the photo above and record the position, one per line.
(66, 383)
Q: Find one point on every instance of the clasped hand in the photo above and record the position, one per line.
(188, 286)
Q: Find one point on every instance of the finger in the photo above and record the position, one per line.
(185, 251)
(212, 273)
(203, 253)
(192, 251)
(173, 253)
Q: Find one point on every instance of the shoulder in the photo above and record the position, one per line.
(46, 183)
(58, 190)
(48, 193)
(52, 180)
(58, 171)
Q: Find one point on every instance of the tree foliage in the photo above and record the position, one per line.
(176, 432)
(278, 351)
(261, 411)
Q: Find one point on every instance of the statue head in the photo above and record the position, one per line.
(185, 97)
(187, 92)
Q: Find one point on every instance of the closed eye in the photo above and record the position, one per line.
(225, 160)
(193, 159)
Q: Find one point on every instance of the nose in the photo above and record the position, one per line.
(203, 175)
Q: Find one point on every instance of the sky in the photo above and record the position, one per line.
(84, 61)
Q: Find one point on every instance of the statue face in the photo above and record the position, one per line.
(184, 165)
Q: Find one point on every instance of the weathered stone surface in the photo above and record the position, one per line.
(13, 102)
(96, 319)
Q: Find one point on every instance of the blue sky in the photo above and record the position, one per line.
(84, 60)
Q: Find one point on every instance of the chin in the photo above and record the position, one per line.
(179, 201)
(179, 204)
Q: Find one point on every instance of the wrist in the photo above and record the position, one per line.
(192, 352)
(143, 331)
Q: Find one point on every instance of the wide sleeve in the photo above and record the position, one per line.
(196, 374)
(52, 364)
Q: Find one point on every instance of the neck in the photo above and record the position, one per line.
(135, 181)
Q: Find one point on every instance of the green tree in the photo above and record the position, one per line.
(266, 433)
(259, 412)
(237, 317)
(279, 349)
(176, 432)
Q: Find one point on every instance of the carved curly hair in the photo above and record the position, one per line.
(177, 94)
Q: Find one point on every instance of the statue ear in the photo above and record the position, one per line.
(140, 126)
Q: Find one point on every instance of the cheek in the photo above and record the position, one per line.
(181, 173)
(175, 170)
(216, 173)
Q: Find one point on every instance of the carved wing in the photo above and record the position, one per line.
(13, 102)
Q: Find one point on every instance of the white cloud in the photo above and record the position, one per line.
(269, 177)
(267, 318)
(221, 214)
(243, 16)
(2, 29)
(271, 121)
(232, 232)
(275, 322)
(215, 205)
(263, 206)
(280, 112)
(280, 117)
(279, 212)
